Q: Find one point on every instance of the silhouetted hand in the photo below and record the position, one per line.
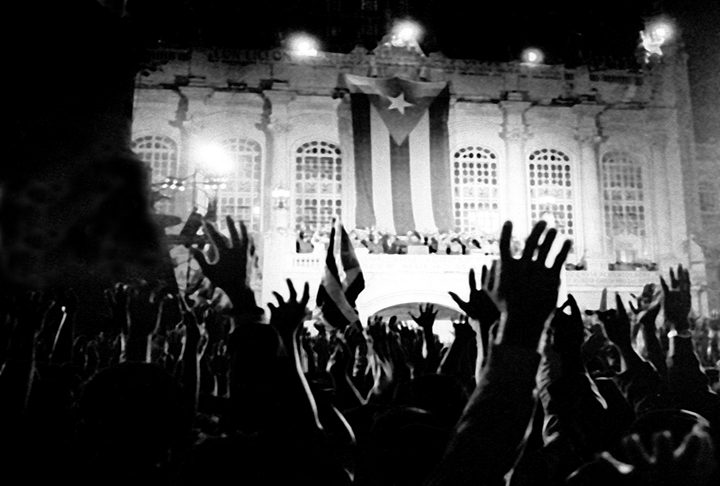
(287, 317)
(677, 300)
(232, 270)
(617, 326)
(426, 316)
(644, 300)
(691, 463)
(528, 286)
(568, 332)
(482, 304)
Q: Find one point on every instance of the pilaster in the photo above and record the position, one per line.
(592, 235)
(278, 171)
(515, 134)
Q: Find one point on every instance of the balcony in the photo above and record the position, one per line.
(396, 279)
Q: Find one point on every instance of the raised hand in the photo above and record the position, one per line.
(482, 304)
(677, 300)
(617, 326)
(232, 270)
(690, 463)
(644, 300)
(426, 316)
(568, 332)
(528, 286)
(287, 317)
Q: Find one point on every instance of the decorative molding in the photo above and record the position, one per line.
(588, 136)
(279, 127)
(515, 134)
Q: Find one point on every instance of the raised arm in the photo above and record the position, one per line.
(490, 434)
(232, 270)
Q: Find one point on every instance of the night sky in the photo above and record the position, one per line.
(480, 29)
(570, 32)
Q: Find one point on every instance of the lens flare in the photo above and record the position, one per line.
(533, 56)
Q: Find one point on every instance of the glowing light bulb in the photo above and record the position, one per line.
(406, 33)
(303, 45)
(533, 56)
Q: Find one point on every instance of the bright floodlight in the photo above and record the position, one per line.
(405, 33)
(662, 31)
(655, 35)
(303, 45)
(533, 56)
(214, 159)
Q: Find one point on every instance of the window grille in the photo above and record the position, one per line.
(475, 190)
(240, 194)
(551, 189)
(623, 203)
(318, 185)
(160, 153)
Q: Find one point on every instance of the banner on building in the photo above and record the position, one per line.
(400, 141)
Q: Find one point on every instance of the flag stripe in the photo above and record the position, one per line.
(337, 296)
(420, 176)
(440, 161)
(364, 213)
(330, 263)
(342, 281)
(381, 173)
(331, 312)
(401, 190)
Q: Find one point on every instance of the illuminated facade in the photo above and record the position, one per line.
(606, 155)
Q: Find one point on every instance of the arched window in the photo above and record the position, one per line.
(475, 190)
(318, 185)
(160, 153)
(551, 189)
(623, 204)
(240, 195)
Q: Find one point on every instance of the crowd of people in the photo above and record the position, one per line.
(377, 242)
(182, 389)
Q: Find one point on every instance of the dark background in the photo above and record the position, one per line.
(571, 32)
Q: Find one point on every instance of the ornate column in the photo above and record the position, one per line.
(278, 234)
(278, 171)
(592, 234)
(515, 134)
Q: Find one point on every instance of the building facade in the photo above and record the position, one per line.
(606, 155)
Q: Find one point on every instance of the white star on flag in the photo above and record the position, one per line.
(398, 103)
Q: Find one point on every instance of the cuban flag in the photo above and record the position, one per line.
(400, 142)
(341, 283)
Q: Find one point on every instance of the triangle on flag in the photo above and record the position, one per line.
(401, 103)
